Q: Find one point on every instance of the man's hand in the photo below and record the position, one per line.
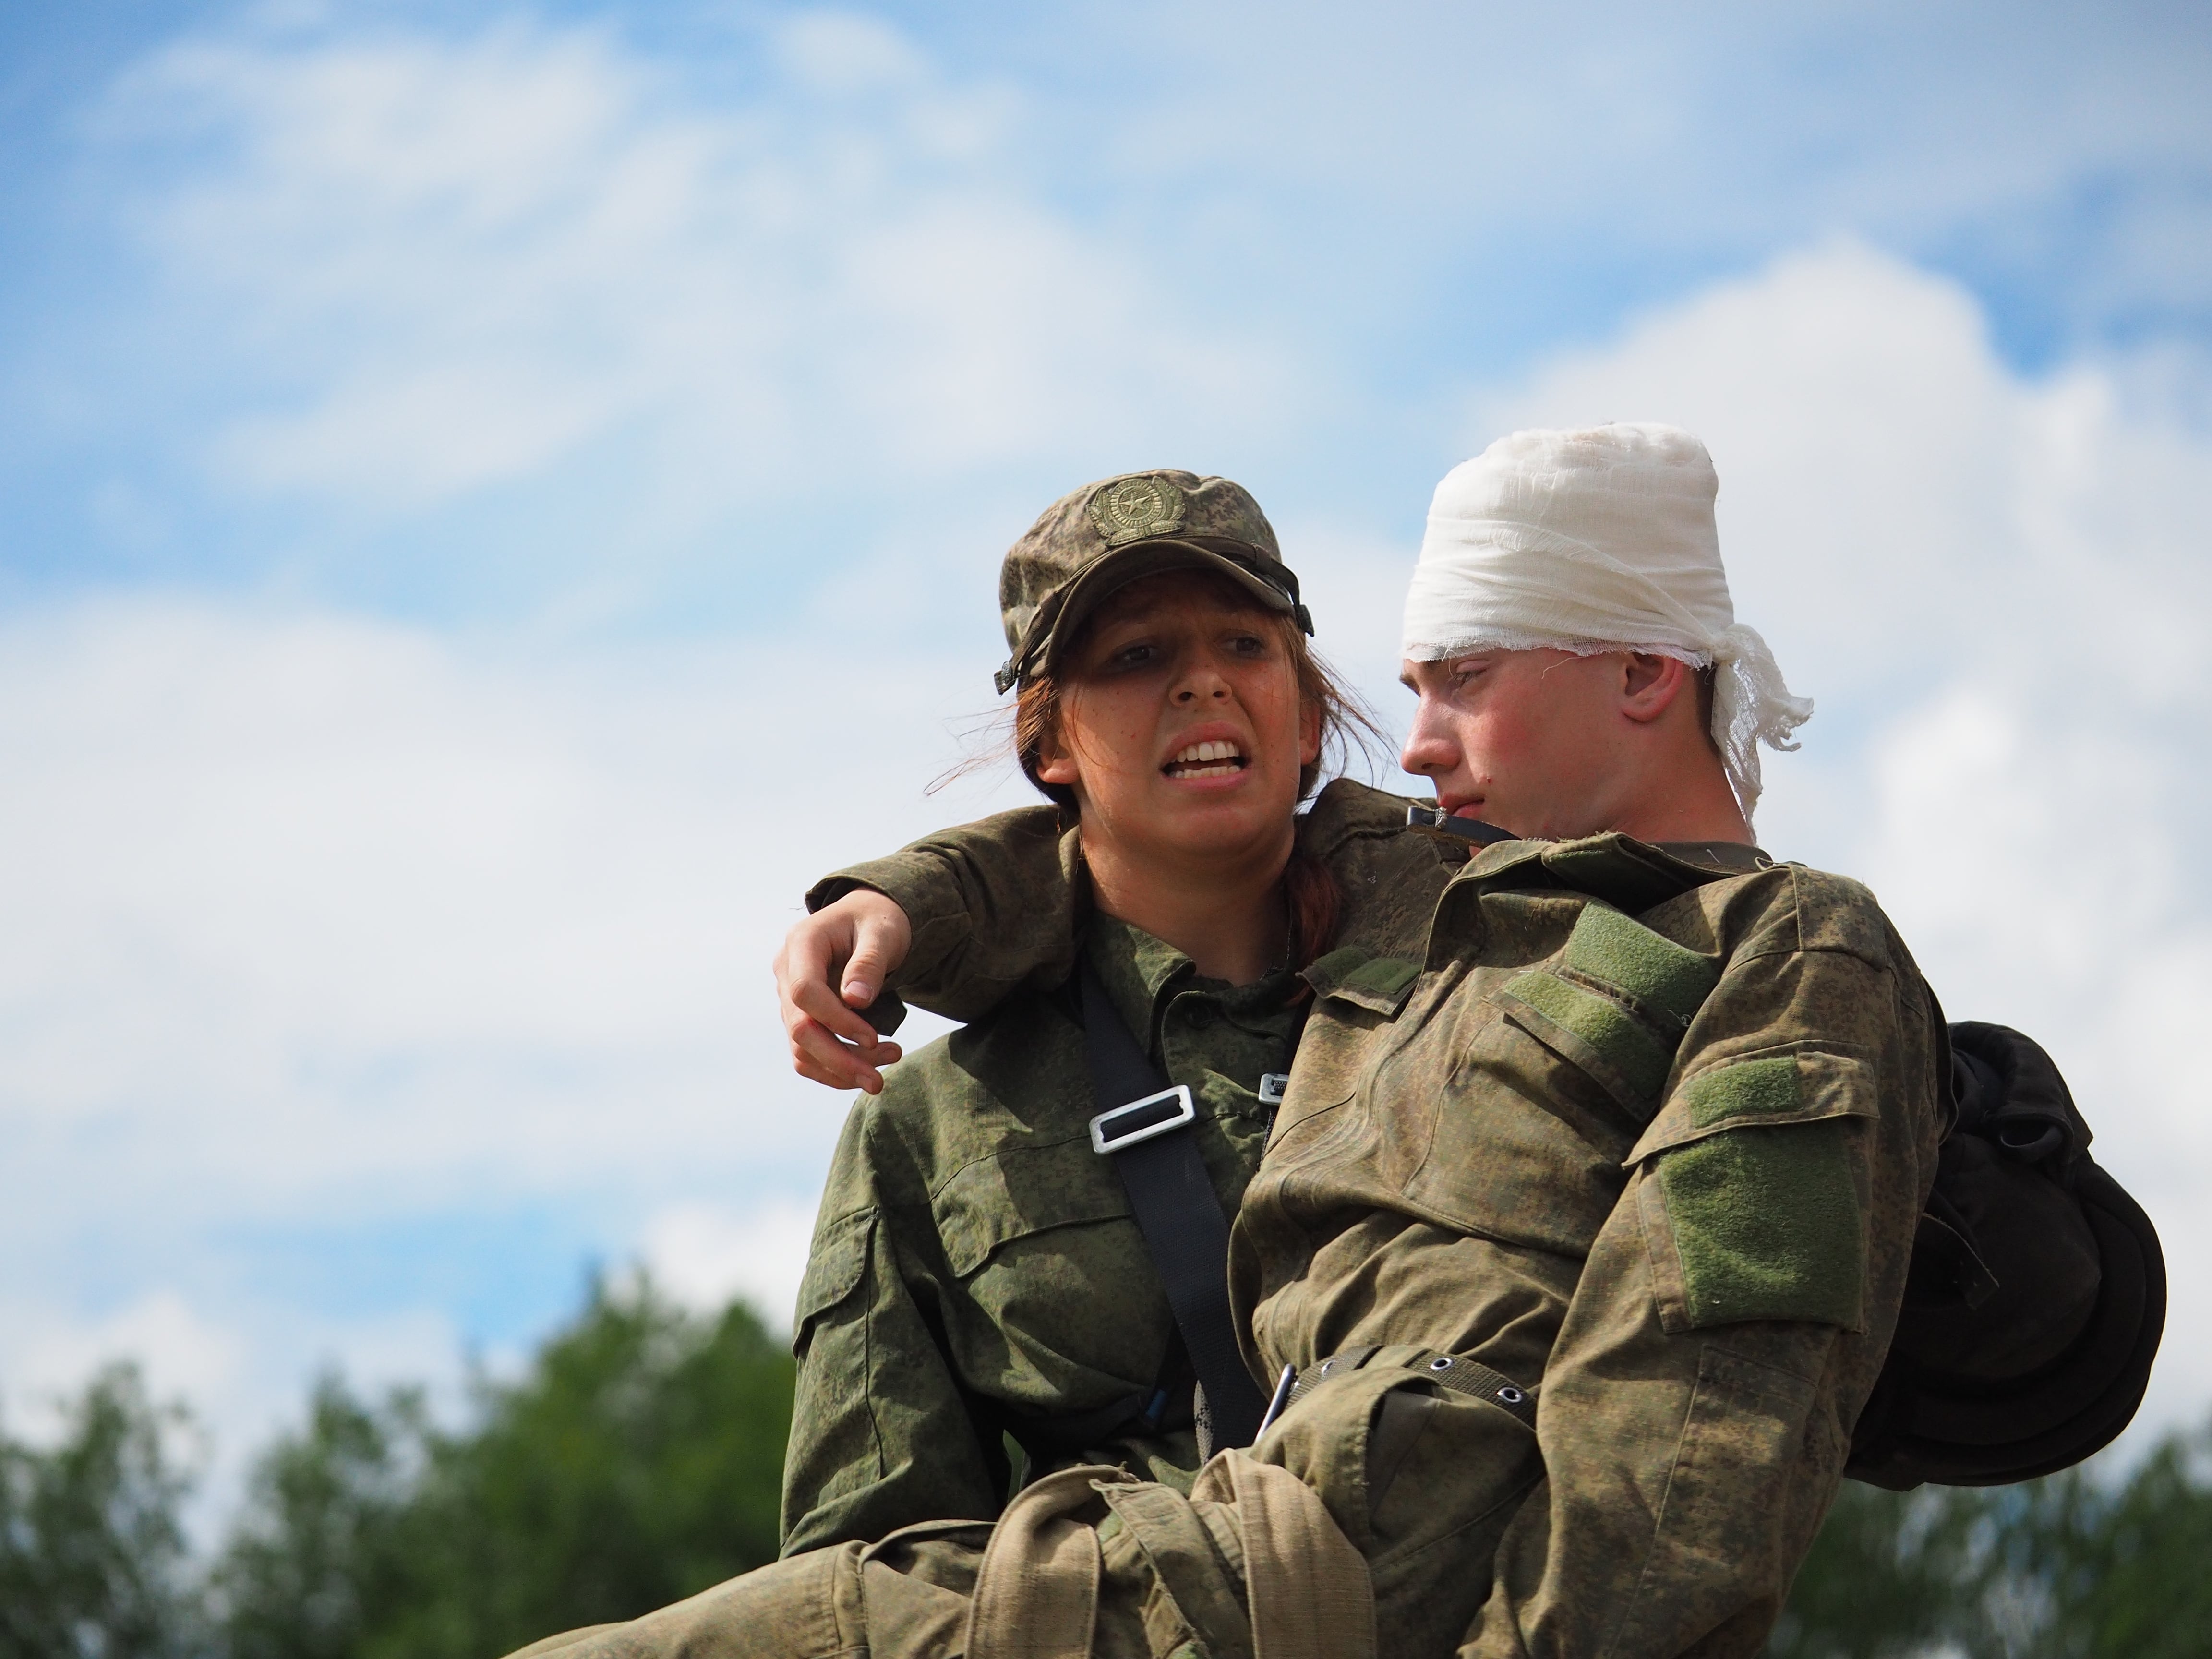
(832, 964)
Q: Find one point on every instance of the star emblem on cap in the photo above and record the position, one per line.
(1130, 509)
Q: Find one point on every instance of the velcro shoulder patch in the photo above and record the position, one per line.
(1794, 1082)
(1754, 1089)
(1767, 1224)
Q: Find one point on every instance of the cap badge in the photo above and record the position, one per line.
(1130, 509)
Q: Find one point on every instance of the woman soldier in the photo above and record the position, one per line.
(977, 1276)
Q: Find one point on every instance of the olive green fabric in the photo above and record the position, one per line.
(1449, 1175)
(1455, 1170)
(1632, 958)
(1750, 1090)
(975, 1260)
(1768, 1225)
(1630, 1047)
(1108, 534)
(1386, 977)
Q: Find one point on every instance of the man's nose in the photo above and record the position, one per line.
(1426, 752)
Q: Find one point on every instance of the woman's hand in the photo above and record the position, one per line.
(832, 964)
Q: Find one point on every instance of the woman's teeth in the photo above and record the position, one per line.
(1211, 759)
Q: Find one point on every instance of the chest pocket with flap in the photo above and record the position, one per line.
(1616, 1002)
(1507, 1112)
(995, 1200)
(834, 1266)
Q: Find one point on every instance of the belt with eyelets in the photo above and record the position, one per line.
(1454, 1371)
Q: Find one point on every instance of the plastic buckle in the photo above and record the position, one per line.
(1148, 1123)
(1272, 1084)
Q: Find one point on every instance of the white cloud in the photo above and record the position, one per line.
(183, 1355)
(311, 902)
(461, 261)
(318, 934)
(704, 1255)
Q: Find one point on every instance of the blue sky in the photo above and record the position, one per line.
(1384, 207)
(494, 498)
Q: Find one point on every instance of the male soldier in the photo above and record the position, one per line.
(1586, 1220)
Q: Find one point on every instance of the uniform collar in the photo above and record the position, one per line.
(1142, 974)
(1630, 874)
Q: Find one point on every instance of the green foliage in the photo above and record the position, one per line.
(320, 1551)
(638, 1462)
(1883, 1579)
(2074, 1566)
(92, 1552)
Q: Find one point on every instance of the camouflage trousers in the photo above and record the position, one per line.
(1364, 1522)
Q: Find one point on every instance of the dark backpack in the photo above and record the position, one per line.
(2036, 1295)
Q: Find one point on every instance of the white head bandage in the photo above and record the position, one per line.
(1598, 540)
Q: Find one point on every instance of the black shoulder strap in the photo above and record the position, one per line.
(1172, 1198)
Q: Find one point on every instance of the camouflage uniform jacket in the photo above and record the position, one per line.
(975, 1269)
(1650, 1134)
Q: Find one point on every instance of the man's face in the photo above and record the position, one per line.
(1532, 741)
(1181, 730)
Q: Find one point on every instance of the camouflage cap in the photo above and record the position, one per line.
(1106, 535)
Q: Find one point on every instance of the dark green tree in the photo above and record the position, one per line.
(2080, 1565)
(1890, 1574)
(319, 1551)
(93, 1559)
(2091, 1569)
(638, 1462)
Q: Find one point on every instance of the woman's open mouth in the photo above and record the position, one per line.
(1211, 759)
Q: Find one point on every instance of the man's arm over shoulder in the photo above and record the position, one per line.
(1736, 1307)
(991, 904)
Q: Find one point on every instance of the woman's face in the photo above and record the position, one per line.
(1181, 729)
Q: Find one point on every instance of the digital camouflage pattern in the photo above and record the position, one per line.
(1651, 1140)
(975, 1268)
(1100, 537)
(1647, 1133)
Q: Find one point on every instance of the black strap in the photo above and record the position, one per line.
(1474, 829)
(1172, 1198)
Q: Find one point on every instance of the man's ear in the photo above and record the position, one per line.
(1651, 683)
